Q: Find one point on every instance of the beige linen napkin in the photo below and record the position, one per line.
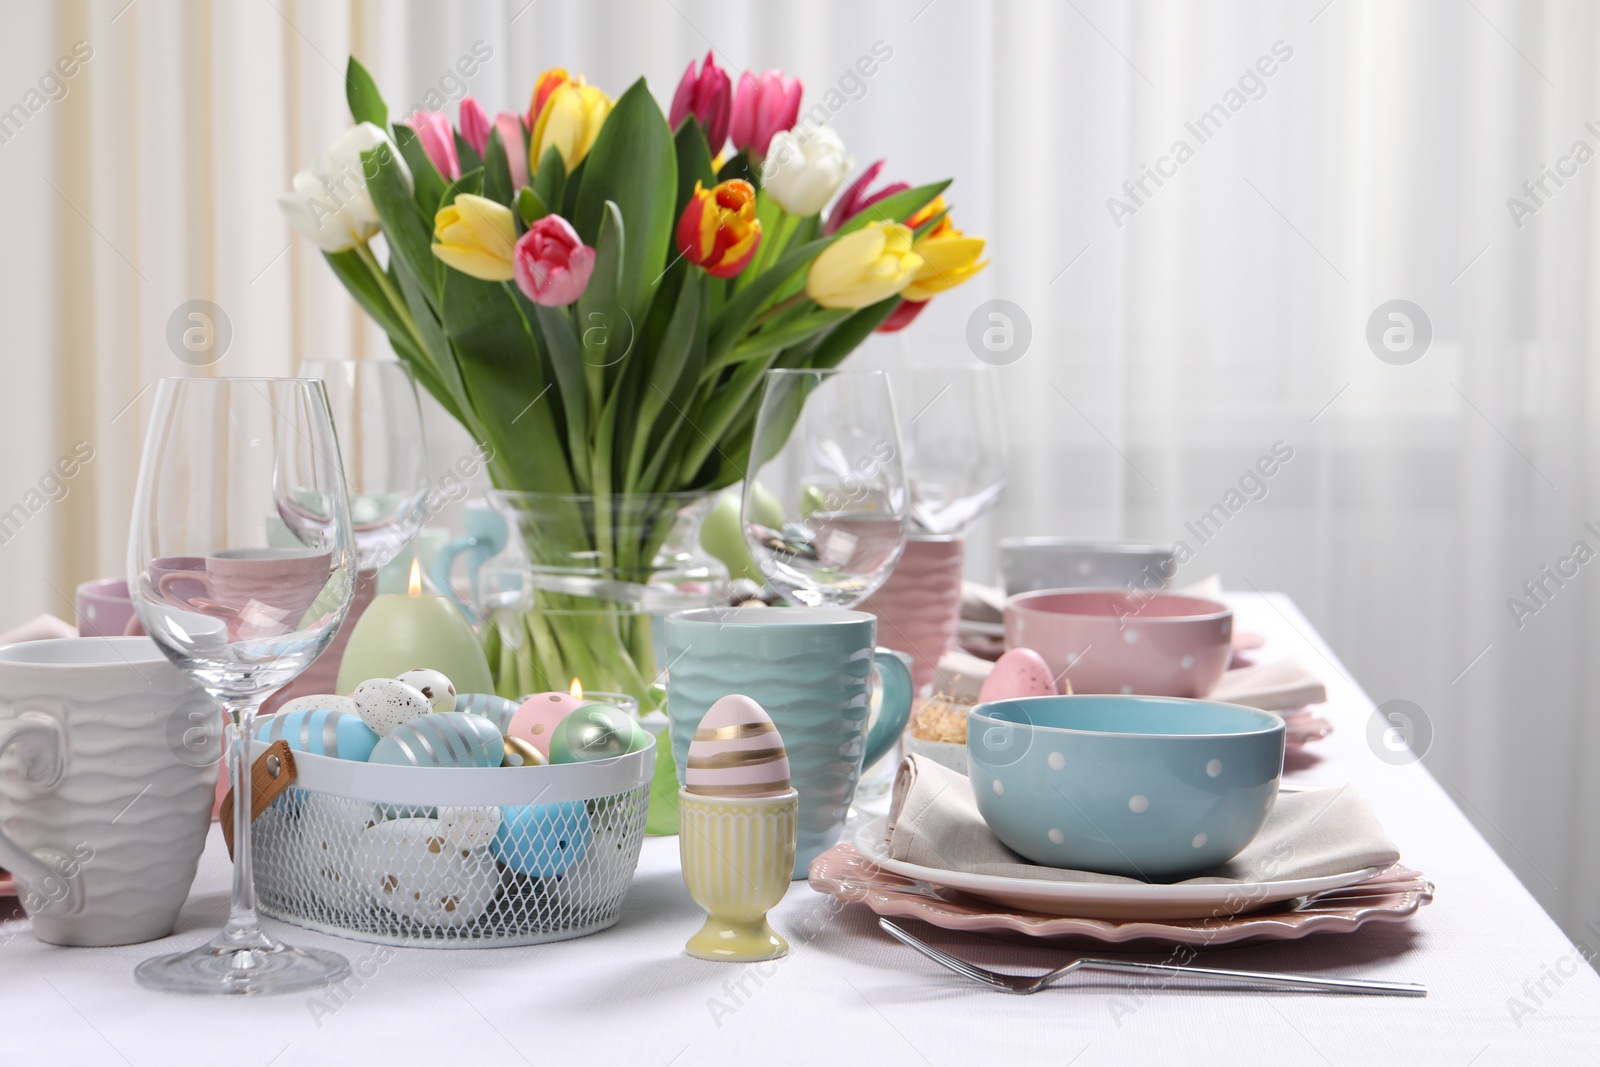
(934, 822)
(1275, 686)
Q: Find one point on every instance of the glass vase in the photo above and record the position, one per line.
(578, 591)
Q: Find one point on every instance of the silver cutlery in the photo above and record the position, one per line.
(1023, 984)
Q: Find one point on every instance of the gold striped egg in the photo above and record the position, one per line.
(736, 752)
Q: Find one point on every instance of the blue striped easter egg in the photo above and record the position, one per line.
(443, 739)
(497, 709)
(320, 731)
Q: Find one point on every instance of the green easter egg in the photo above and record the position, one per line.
(596, 732)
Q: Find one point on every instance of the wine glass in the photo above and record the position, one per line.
(241, 567)
(378, 419)
(827, 443)
(955, 444)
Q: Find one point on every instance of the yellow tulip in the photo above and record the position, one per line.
(476, 236)
(949, 256)
(864, 267)
(570, 120)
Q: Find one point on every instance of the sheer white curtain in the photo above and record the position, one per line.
(1341, 155)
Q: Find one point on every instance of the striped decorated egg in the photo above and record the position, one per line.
(497, 709)
(736, 752)
(320, 731)
(445, 739)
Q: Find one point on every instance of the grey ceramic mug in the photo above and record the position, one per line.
(811, 669)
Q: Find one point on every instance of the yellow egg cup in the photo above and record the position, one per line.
(738, 858)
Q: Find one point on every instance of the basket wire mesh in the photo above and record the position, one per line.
(463, 876)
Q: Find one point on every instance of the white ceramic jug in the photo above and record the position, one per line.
(108, 759)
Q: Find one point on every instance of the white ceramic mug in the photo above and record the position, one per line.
(107, 770)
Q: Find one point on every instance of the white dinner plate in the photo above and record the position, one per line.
(1102, 900)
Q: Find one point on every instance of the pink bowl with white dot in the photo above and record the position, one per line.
(1121, 641)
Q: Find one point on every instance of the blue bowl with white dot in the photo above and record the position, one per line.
(1156, 788)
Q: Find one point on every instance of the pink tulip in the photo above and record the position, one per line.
(854, 200)
(510, 127)
(551, 265)
(438, 140)
(708, 97)
(764, 105)
(474, 124)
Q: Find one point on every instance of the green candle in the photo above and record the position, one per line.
(400, 631)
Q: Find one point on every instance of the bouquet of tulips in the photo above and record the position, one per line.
(596, 289)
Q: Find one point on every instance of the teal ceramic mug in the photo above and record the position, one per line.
(811, 669)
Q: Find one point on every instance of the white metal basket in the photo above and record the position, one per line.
(452, 857)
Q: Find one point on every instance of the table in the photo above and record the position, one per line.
(1511, 989)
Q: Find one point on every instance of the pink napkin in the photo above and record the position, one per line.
(38, 628)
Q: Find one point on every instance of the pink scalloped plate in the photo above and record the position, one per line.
(8, 885)
(1391, 896)
(1303, 726)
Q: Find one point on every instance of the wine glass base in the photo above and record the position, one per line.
(232, 971)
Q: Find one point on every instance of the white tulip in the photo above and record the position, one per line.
(330, 203)
(801, 175)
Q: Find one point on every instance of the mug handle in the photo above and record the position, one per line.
(894, 671)
(48, 875)
(444, 560)
(203, 577)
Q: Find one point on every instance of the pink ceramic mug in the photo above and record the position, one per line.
(919, 607)
(267, 589)
(105, 609)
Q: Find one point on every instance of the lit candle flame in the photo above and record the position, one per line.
(414, 587)
(576, 689)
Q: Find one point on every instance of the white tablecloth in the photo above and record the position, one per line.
(1507, 987)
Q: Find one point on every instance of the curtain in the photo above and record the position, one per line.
(1192, 310)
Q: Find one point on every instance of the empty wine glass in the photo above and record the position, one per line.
(955, 444)
(241, 567)
(825, 504)
(378, 419)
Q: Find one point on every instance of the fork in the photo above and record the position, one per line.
(1023, 984)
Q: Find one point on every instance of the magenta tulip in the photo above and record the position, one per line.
(708, 97)
(764, 105)
(855, 199)
(551, 265)
(438, 141)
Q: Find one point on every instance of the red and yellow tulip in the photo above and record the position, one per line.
(949, 256)
(719, 230)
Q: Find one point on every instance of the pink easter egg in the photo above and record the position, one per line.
(538, 716)
(736, 752)
(1022, 672)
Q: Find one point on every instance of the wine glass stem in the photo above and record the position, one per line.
(241, 930)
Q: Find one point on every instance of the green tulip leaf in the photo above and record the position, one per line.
(366, 102)
(550, 181)
(634, 165)
(408, 231)
(529, 207)
(682, 346)
(565, 359)
(694, 162)
(502, 369)
(467, 157)
(497, 171)
(470, 182)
